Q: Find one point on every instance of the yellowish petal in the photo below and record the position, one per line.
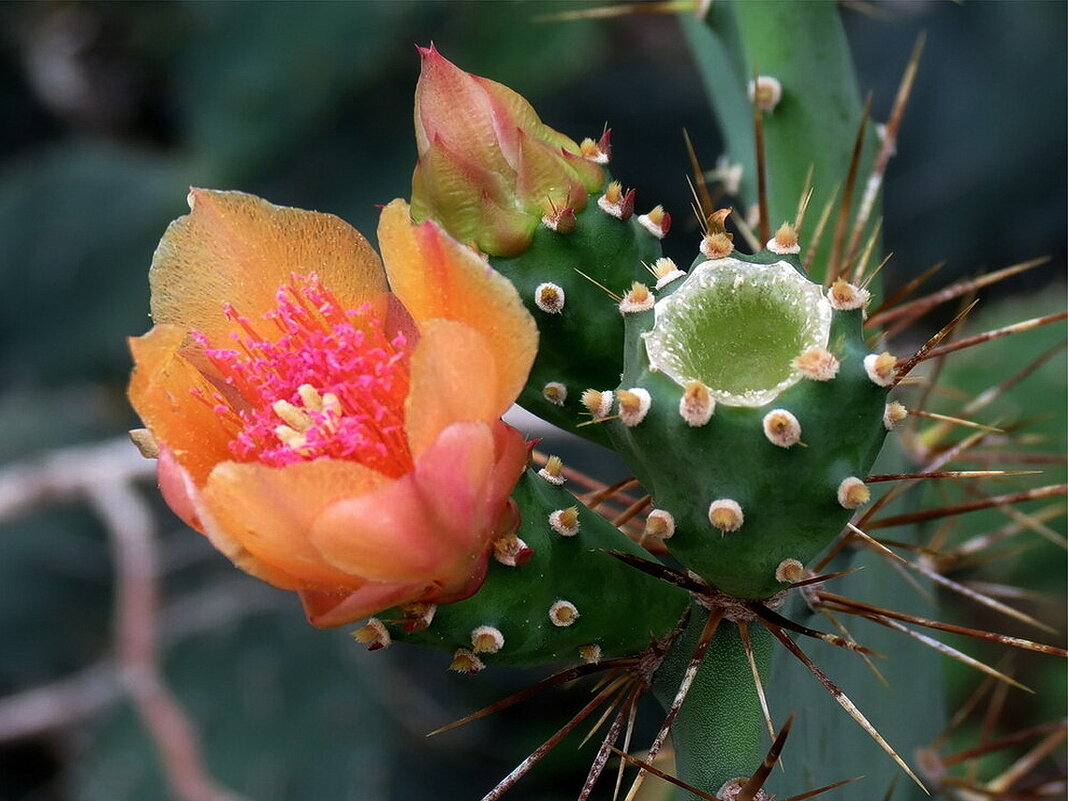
(432, 525)
(436, 277)
(453, 378)
(270, 511)
(239, 249)
(162, 392)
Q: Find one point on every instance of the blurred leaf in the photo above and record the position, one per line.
(255, 77)
(78, 225)
(283, 711)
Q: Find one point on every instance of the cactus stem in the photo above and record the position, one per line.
(705, 639)
(563, 613)
(637, 299)
(726, 515)
(555, 393)
(750, 788)
(549, 298)
(881, 368)
(657, 222)
(486, 640)
(634, 404)
(817, 364)
(565, 522)
(553, 472)
(843, 296)
(782, 428)
(842, 699)
(601, 286)
(696, 405)
(463, 661)
(374, 634)
(853, 493)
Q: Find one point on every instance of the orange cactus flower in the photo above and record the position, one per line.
(487, 164)
(331, 433)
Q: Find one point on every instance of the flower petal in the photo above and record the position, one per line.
(453, 378)
(161, 391)
(270, 512)
(434, 525)
(328, 609)
(186, 501)
(241, 249)
(436, 277)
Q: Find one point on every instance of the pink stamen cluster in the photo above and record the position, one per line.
(335, 351)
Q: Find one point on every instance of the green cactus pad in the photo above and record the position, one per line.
(620, 609)
(788, 495)
(582, 344)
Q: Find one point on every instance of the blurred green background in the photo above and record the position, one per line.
(111, 110)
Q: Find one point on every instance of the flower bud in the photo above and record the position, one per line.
(487, 164)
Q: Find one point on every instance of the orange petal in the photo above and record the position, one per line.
(436, 277)
(328, 609)
(161, 391)
(186, 500)
(270, 512)
(240, 249)
(453, 378)
(432, 526)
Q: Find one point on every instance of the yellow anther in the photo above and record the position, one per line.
(295, 418)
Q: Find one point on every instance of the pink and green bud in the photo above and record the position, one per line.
(488, 167)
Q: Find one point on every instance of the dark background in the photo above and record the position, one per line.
(111, 110)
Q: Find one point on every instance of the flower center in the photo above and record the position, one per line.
(332, 385)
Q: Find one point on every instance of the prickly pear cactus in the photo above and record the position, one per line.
(572, 279)
(553, 594)
(751, 409)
